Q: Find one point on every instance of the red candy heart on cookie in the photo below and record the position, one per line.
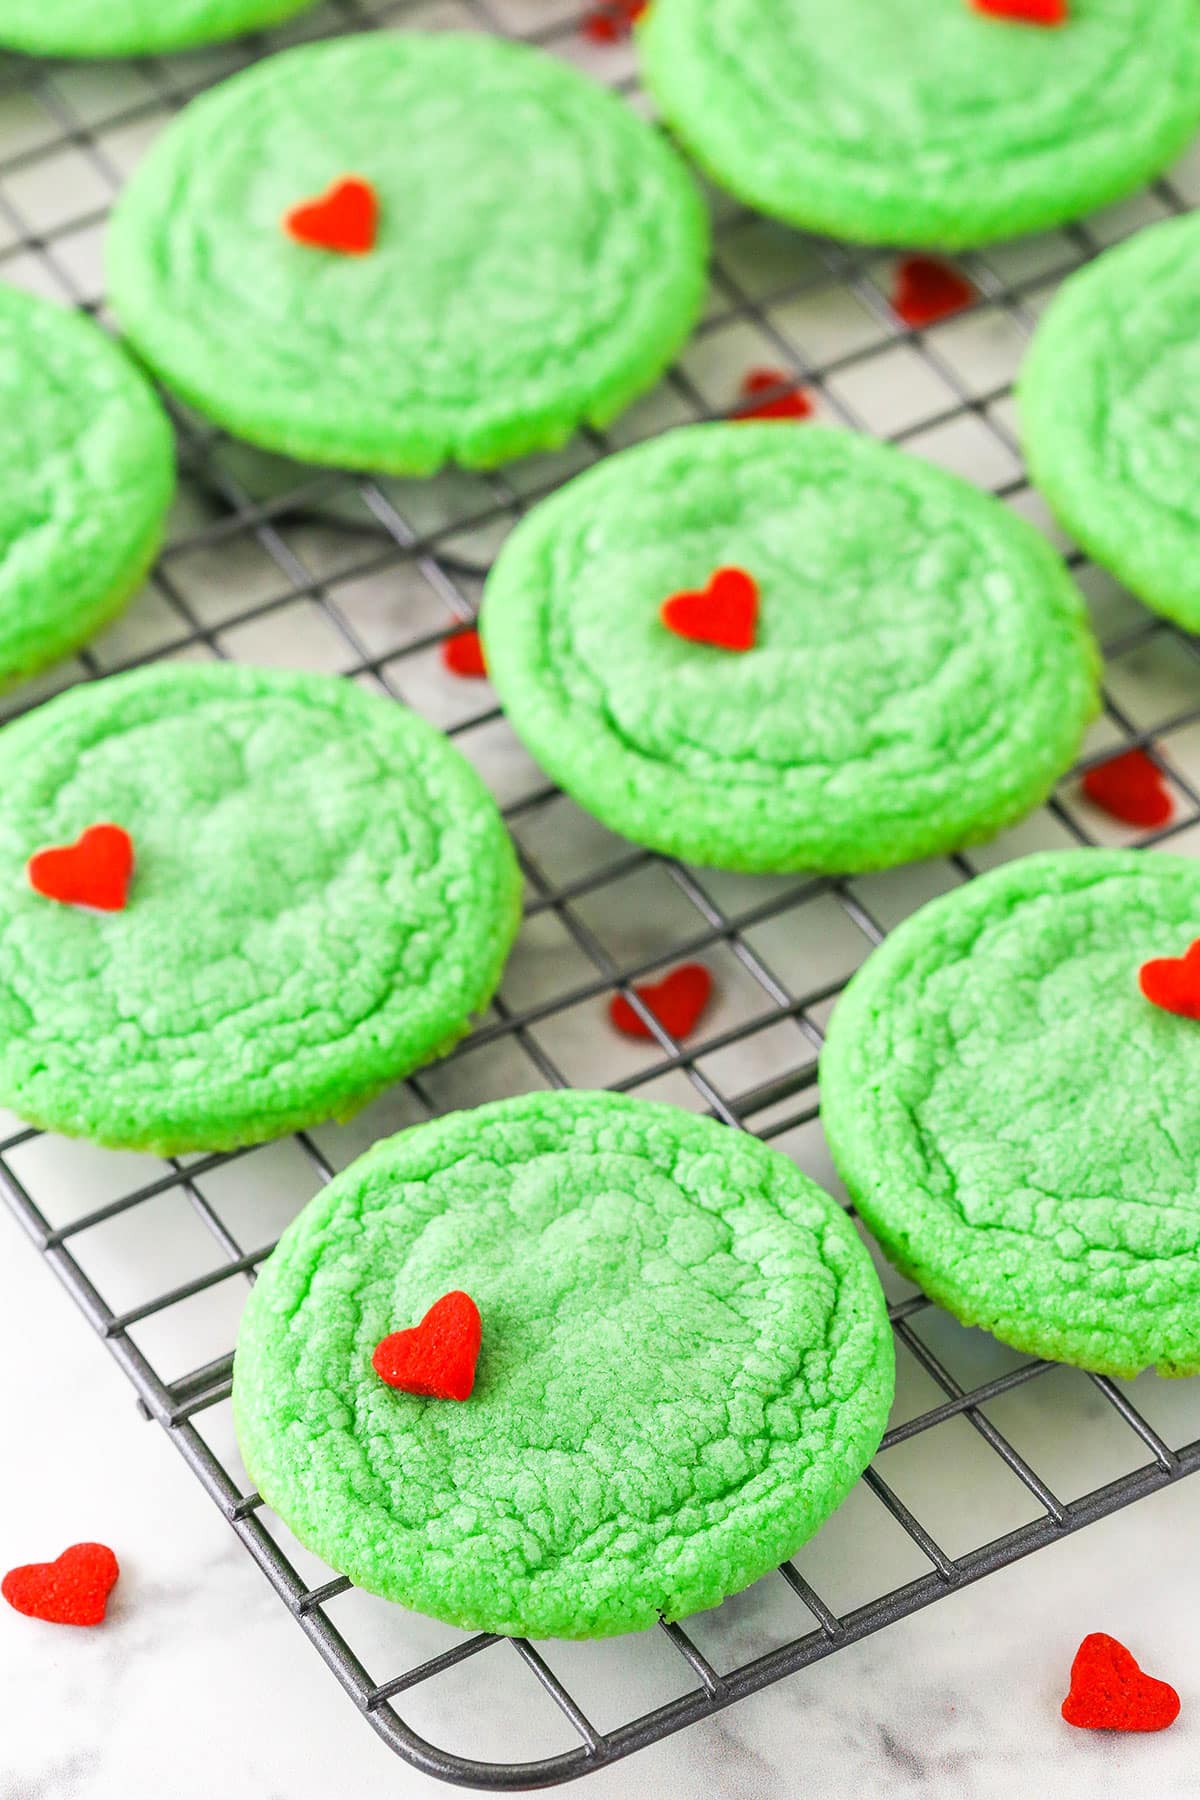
(1025, 12)
(676, 1001)
(1173, 982)
(1130, 788)
(1110, 1693)
(72, 1590)
(341, 219)
(93, 871)
(926, 290)
(724, 613)
(436, 1358)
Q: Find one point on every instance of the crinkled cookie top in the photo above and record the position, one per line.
(87, 470)
(922, 673)
(1017, 1124)
(686, 1363)
(323, 892)
(1110, 413)
(540, 253)
(925, 121)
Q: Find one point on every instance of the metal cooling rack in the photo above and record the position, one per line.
(273, 563)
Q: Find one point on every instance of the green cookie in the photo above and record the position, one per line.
(86, 475)
(540, 254)
(323, 893)
(922, 675)
(1110, 413)
(686, 1364)
(132, 27)
(925, 121)
(1017, 1124)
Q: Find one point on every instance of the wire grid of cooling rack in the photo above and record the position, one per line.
(270, 562)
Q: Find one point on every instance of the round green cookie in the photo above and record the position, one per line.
(540, 254)
(132, 27)
(323, 892)
(925, 121)
(922, 674)
(686, 1364)
(1017, 1124)
(86, 475)
(1109, 402)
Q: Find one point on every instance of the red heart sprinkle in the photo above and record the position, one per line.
(790, 401)
(343, 218)
(1130, 788)
(724, 613)
(1173, 982)
(926, 290)
(93, 871)
(676, 1001)
(462, 654)
(1110, 1693)
(605, 27)
(437, 1357)
(609, 23)
(72, 1590)
(1025, 12)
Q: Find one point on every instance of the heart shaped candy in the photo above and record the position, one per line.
(1173, 982)
(676, 1001)
(613, 20)
(343, 218)
(1025, 12)
(1109, 1692)
(462, 654)
(1130, 788)
(71, 1590)
(926, 290)
(788, 399)
(724, 613)
(436, 1358)
(93, 871)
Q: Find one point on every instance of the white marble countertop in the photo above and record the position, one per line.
(198, 1684)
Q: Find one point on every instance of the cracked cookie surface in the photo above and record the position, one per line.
(87, 470)
(540, 254)
(1017, 1124)
(923, 670)
(323, 892)
(925, 122)
(686, 1364)
(1109, 407)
